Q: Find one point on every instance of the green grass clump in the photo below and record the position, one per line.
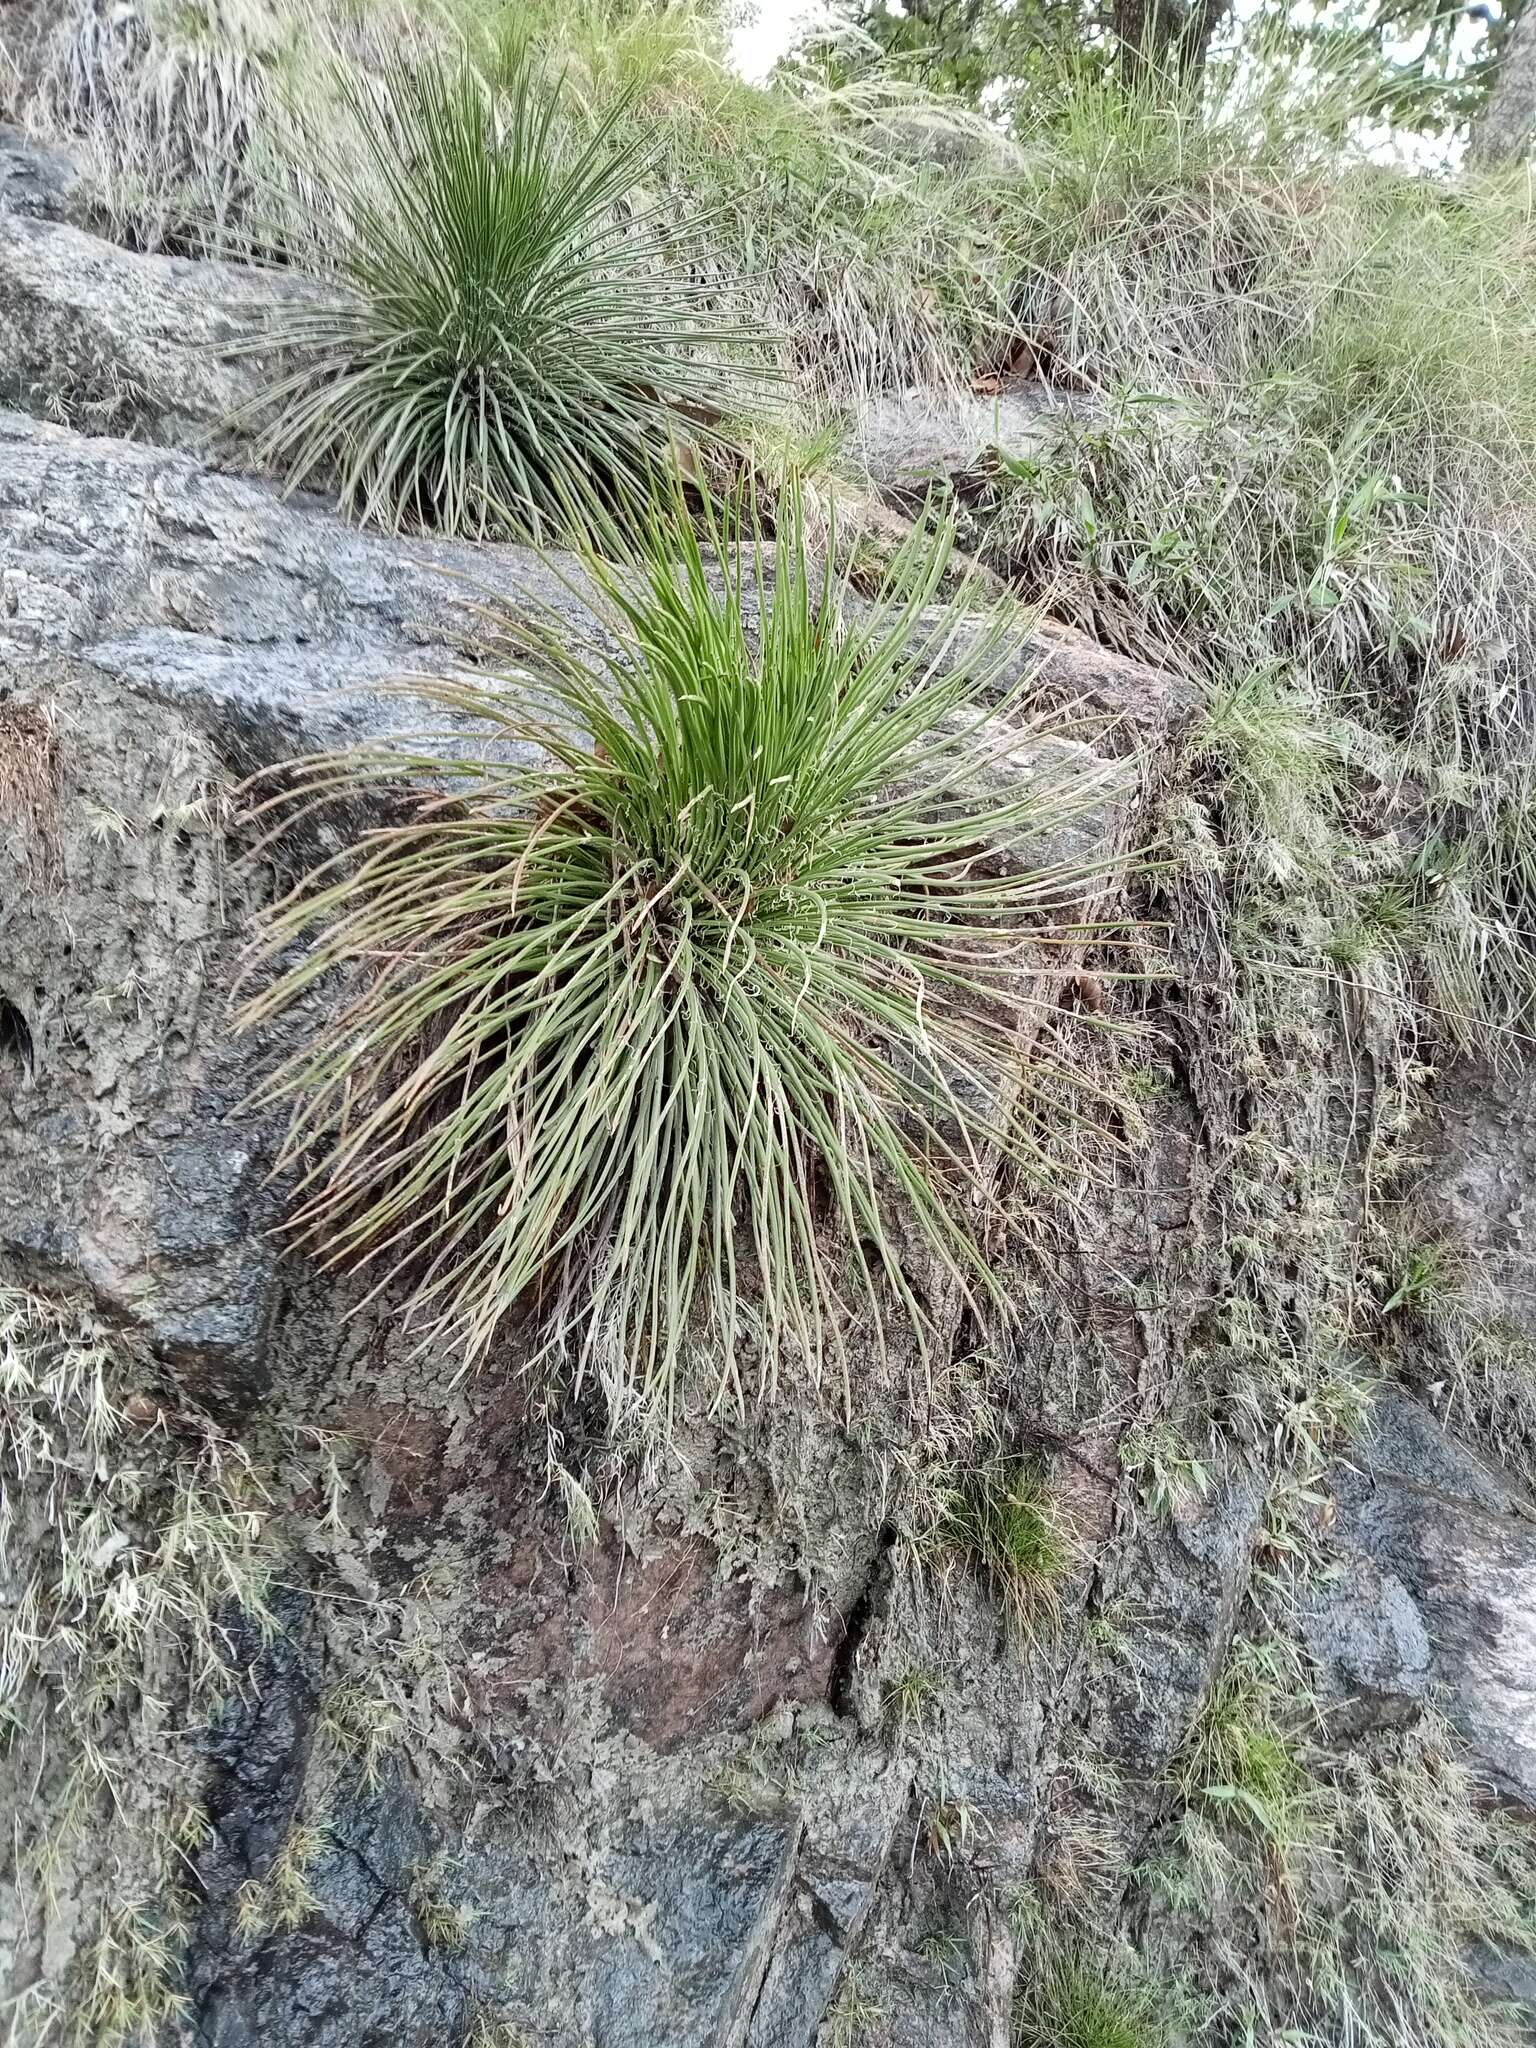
(1426, 1278)
(1241, 1756)
(504, 327)
(716, 1004)
(1343, 1893)
(1067, 2001)
(1005, 1518)
(911, 1699)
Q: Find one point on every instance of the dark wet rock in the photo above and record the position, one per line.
(1179, 1596)
(1406, 1441)
(843, 1855)
(35, 181)
(1366, 1636)
(322, 1987)
(703, 1902)
(258, 1746)
(358, 1966)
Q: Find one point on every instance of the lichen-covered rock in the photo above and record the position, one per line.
(131, 1159)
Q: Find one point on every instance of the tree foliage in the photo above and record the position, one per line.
(1437, 65)
(975, 47)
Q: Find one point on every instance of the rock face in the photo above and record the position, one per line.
(905, 442)
(211, 593)
(102, 338)
(165, 631)
(1439, 1590)
(751, 1770)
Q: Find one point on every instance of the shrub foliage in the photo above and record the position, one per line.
(503, 329)
(711, 1015)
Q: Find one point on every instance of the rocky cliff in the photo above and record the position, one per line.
(333, 1723)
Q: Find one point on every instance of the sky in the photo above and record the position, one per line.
(766, 31)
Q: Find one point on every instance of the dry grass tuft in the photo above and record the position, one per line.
(130, 1541)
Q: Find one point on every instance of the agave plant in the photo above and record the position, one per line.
(702, 1029)
(501, 331)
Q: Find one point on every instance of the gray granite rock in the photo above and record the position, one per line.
(904, 441)
(1367, 1638)
(1420, 1509)
(111, 341)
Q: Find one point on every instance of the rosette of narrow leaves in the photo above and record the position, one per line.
(701, 1031)
(501, 330)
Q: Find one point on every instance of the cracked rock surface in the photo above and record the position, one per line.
(645, 1794)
